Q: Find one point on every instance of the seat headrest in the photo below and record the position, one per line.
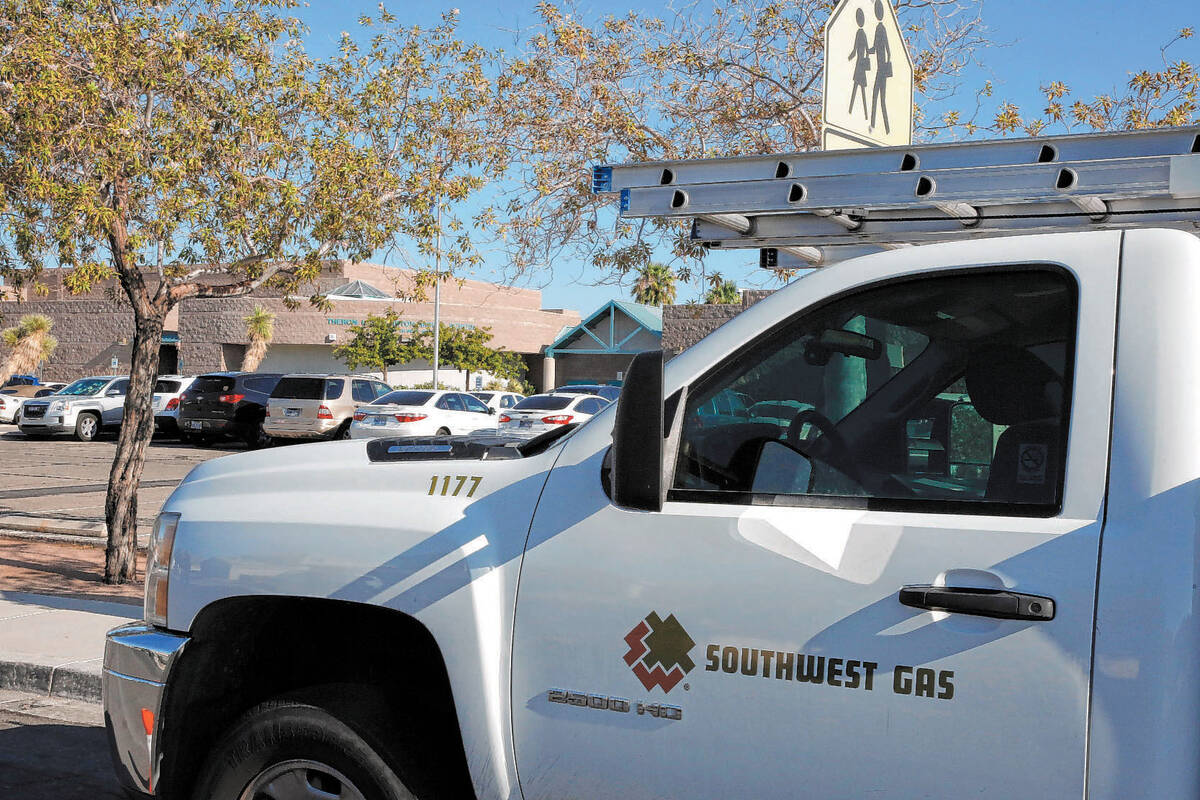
(1009, 386)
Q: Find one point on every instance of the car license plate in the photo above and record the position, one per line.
(291, 412)
(195, 425)
(526, 423)
(379, 420)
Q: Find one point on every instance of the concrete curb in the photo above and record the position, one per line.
(66, 538)
(96, 530)
(61, 681)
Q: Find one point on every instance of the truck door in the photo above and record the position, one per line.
(874, 574)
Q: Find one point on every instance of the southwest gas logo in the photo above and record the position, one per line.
(659, 652)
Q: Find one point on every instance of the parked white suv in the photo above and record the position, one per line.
(82, 408)
(168, 393)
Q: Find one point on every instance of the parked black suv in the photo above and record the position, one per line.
(226, 405)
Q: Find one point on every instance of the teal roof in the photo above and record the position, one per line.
(649, 317)
(646, 318)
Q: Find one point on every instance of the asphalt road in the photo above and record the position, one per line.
(52, 749)
(64, 480)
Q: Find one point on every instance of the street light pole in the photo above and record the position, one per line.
(437, 298)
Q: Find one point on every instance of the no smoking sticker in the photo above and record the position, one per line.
(1031, 463)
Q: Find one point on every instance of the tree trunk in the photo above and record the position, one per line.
(255, 352)
(468, 386)
(385, 377)
(137, 427)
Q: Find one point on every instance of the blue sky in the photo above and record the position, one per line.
(1092, 46)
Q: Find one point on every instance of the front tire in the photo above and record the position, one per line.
(283, 750)
(87, 427)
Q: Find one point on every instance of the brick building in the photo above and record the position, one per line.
(684, 325)
(95, 330)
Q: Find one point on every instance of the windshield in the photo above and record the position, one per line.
(545, 402)
(87, 386)
(404, 398)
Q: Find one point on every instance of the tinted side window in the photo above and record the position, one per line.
(932, 391)
(380, 389)
(334, 388)
(589, 406)
(263, 385)
(362, 392)
(473, 404)
(120, 387)
(450, 402)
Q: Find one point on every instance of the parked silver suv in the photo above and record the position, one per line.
(82, 408)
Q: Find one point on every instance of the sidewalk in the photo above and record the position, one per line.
(55, 645)
(54, 612)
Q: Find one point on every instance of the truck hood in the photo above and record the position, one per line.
(358, 520)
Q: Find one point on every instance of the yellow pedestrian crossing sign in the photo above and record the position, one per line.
(868, 78)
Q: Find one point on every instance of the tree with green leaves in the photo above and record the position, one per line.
(260, 328)
(655, 285)
(376, 344)
(467, 349)
(29, 342)
(193, 149)
(722, 291)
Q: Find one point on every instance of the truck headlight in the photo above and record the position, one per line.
(57, 405)
(158, 568)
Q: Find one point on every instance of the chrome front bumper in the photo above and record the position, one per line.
(137, 659)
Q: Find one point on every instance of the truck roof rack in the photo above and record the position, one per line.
(810, 209)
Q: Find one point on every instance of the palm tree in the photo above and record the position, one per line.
(723, 292)
(655, 285)
(260, 327)
(30, 343)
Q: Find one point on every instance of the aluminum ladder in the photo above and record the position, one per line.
(811, 209)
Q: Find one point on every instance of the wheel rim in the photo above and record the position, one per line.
(87, 426)
(300, 779)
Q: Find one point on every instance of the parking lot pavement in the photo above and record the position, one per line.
(52, 748)
(57, 486)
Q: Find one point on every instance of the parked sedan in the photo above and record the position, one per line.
(546, 412)
(13, 397)
(501, 401)
(609, 393)
(419, 412)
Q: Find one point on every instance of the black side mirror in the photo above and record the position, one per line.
(491, 411)
(637, 451)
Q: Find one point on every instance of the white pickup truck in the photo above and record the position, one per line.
(966, 566)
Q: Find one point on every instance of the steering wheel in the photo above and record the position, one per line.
(836, 452)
